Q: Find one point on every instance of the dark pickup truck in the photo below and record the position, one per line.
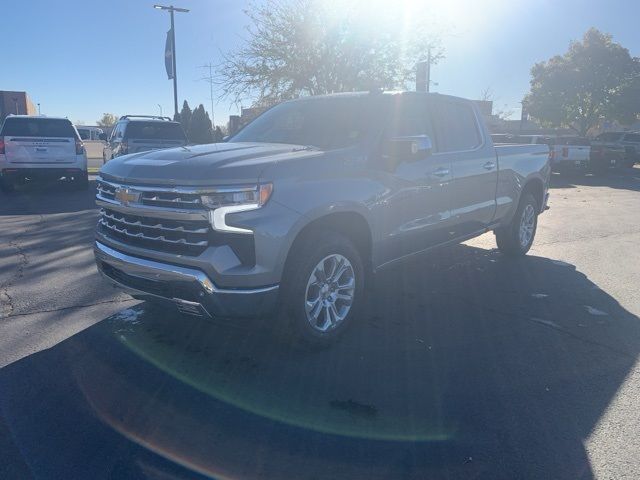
(297, 210)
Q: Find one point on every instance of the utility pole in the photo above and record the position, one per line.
(423, 73)
(428, 67)
(160, 107)
(210, 80)
(172, 9)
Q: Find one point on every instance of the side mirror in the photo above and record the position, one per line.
(102, 136)
(407, 149)
(226, 138)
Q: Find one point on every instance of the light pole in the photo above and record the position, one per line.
(159, 106)
(172, 9)
(39, 110)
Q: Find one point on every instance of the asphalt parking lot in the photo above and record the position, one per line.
(465, 364)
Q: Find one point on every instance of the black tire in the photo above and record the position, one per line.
(305, 256)
(81, 182)
(7, 185)
(508, 237)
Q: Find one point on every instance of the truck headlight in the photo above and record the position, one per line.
(234, 200)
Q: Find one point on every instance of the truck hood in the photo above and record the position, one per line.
(214, 164)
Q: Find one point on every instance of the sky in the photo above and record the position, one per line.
(81, 58)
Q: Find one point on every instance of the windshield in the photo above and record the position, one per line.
(38, 127)
(323, 123)
(155, 130)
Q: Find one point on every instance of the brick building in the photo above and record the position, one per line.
(17, 103)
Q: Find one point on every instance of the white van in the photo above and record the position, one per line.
(35, 147)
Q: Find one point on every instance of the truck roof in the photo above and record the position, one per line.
(44, 117)
(375, 93)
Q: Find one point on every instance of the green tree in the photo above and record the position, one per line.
(595, 79)
(107, 120)
(200, 129)
(310, 47)
(185, 116)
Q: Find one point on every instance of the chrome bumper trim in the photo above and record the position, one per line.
(156, 271)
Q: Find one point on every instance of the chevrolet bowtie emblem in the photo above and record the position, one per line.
(126, 195)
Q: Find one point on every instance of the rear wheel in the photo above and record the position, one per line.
(516, 238)
(322, 289)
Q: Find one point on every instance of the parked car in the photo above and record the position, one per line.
(89, 133)
(94, 147)
(570, 153)
(36, 147)
(615, 149)
(300, 207)
(140, 133)
(533, 139)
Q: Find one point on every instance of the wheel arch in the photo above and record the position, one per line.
(349, 223)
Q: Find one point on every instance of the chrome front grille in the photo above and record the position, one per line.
(171, 200)
(106, 190)
(163, 219)
(181, 237)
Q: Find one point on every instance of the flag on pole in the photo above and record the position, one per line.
(168, 55)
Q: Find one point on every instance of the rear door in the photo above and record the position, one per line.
(39, 141)
(473, 163)
(142, 136)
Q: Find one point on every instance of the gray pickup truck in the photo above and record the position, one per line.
(296, 211)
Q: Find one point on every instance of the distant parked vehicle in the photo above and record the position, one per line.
(35, 147)
(92, 143)
(615, 149)
(140, 133)
(533, 139)
(89, 133)
(570, 153)
(618, 148)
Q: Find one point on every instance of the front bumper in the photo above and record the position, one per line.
(190, 290)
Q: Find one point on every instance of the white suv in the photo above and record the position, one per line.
(34, 147)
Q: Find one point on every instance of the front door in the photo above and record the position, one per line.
(414, 214)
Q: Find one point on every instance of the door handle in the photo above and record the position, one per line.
(489, 165)
(440, 172)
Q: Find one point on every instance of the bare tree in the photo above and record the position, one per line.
(303, 47)
(504, 112)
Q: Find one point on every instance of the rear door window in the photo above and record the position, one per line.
(155, 130)
(456, 127)
(38, 127)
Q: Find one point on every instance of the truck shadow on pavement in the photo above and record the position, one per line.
(624, 179)
(47, 198)
(465, 365)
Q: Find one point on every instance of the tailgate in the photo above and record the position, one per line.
(576, 152)
(40, 150)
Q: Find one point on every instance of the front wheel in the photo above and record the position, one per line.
(516, 238)
(322, 289)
